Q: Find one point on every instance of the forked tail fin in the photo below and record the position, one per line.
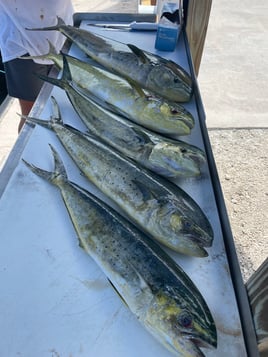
(52, 55)
(56, 27)
(59, 172)
(55, 118)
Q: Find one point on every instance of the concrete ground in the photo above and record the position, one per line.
(233, 81)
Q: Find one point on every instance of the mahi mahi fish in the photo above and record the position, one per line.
(155, 289)
(167, 157)
(119, 96)
(161, 76)
(162, 209)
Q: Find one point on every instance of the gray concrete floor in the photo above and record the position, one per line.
(233, 75)
(233, 81)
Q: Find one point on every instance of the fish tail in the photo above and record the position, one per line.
(55, 81)
(60, 23)
(55, 118)
(58, 172)
(66, 73)
(51, 55)
(59, 82)
(32, 120)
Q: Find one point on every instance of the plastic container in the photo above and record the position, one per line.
(169, 27)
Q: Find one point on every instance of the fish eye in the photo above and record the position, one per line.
(173, 111)
(176, 80)
(183, 150)
(185, 320)
(187, 224)
(166, 76)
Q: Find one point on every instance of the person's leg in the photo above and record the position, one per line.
(23, 83)
(25, 107)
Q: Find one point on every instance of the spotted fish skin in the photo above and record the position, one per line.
(161, 76)
(162, 209)
(155, 289)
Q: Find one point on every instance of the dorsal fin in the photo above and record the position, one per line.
(139, 53)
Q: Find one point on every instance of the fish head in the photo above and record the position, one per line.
(182, 325)
(176, 160)
(201, 233)
(173, 83)
(174, 112)
(188, 233)
(195, 236)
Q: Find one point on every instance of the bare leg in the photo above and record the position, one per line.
(26, 107)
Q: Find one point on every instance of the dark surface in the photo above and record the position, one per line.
(3, 88)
